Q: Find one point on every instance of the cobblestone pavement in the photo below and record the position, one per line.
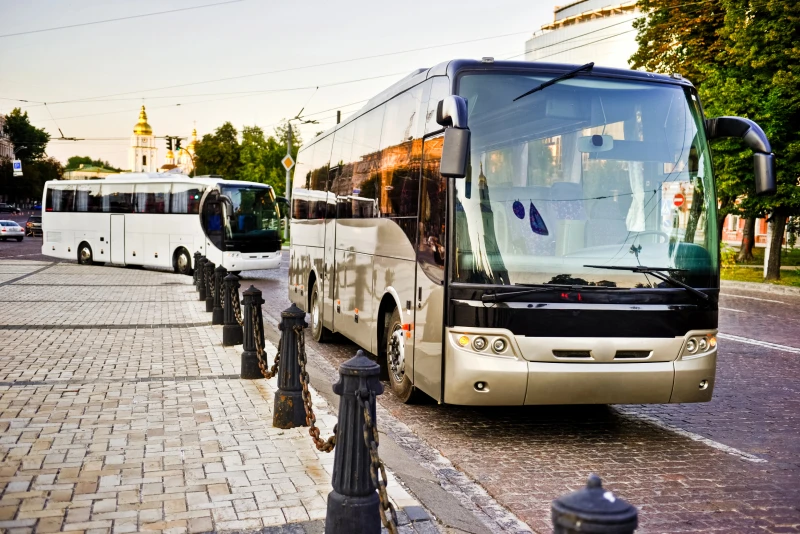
(108, 423)
(730, 465)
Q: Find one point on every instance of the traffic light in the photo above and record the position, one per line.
(169, 143)
(177, 143)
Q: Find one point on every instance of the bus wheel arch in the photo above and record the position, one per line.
(319, 332)
(182, 261)
(85, 255)
(385, 310)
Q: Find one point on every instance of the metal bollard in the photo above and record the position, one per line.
(289, 410)
(217, 316)
(232, 330)
(353, 504)
(593, 509)
(209, 283)
(251, 300)
(201, 278)
(197, 257)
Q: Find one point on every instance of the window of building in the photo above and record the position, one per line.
(144, 160)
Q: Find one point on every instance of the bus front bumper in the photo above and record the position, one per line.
(486, 379)
(251, 261)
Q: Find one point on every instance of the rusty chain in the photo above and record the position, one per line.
(258, 334)
(237, 307)
(323, 445)
(377, 470)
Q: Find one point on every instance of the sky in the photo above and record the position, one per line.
(250, 62)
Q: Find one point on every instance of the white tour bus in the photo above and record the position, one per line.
(160, 220)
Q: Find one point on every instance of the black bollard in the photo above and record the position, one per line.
(201, 278)
(209, 282)
(353, 505)
(251, 298)
(232, 330)
(592, 509)
(289, 410)
(217, 315)
(197, 257)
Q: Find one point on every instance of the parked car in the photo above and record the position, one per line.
(9, 230)
(8, 208)
(33, 226)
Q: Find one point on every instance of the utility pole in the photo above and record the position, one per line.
(288, 180)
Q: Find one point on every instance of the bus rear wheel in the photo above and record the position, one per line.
(85, 254)
(182, 264)
(399, 381)
(318, 331)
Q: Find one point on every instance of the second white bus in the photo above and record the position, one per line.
(161, 220)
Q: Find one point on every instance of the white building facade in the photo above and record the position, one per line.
(587, 30)
(142, 152)
(6, 148)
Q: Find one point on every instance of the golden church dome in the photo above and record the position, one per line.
(170, 154)
(142, 128)
(193, 142)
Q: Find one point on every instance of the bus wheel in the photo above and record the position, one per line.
(318, 331)
(183, 262)
(85, 254)
(395, 360)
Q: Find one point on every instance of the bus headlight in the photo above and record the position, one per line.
(691, 346)
(703, 344)
(479, 343)
(499, 345)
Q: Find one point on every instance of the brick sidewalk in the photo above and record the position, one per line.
(110, 423)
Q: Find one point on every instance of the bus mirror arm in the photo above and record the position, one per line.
(755, 138)
(282, 201)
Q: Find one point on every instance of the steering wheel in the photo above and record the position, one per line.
(649, 232)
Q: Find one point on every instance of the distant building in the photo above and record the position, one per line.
(587, 30)
(87, 172)
(142, 152)
(6, 148)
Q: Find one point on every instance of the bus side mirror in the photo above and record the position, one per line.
(755, 138)
(452, 113)
(283, 204)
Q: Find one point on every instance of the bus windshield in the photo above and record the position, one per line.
(587, 172)
(250, 212)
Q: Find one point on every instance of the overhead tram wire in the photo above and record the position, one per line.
(119, 19)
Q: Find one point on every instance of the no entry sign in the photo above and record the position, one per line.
(678, 200)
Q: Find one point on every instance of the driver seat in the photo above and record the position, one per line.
(606, 225)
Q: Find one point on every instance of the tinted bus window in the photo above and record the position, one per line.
(439, 90)
(185, 198)
(433, 212)
(151, 198)
(318, 180)
(60, 198)
(88, 198)
(118, 198)
(367, 162)
(302, 179)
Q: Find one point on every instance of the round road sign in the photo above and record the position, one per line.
(678, 200)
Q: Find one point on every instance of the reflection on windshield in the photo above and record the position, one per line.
(250, 212)
(590, 171)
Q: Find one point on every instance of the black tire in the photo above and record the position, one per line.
(182, 262)
(394, 343)
(19, 239)
(318, 331)
(237, 273)
(85, 256)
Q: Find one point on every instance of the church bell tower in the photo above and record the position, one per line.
(142, 152)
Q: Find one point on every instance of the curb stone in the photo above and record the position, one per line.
(761, 287)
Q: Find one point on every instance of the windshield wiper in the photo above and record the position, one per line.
(658, 272)
(566, 75)
(537, 288)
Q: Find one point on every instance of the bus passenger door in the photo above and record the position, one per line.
(117, 238)
(429, 295)
(328, 273)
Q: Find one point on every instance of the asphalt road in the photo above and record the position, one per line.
(730, 465)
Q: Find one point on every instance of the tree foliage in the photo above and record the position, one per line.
(257, 158)
(76, 161)
(31, 185)
(745, 58)
(23, 134)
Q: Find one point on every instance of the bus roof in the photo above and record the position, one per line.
(452, 67)
(150, 177)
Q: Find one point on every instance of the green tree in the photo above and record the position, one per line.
(76, 161)
(23, 134)
(219, 153)
(32, 183)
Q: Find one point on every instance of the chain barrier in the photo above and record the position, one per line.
(323, 445)
(210, 284)
(222, 294)
(258, 334)
(237, 308)
(377, 471)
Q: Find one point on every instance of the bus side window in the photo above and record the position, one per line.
(151, 198)
(367, 161)
(301, 181)
(185, 198)
(60, 198)
(433, 211)
(439, 90)
(317, 205)
(117, 198)
(341, 172)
